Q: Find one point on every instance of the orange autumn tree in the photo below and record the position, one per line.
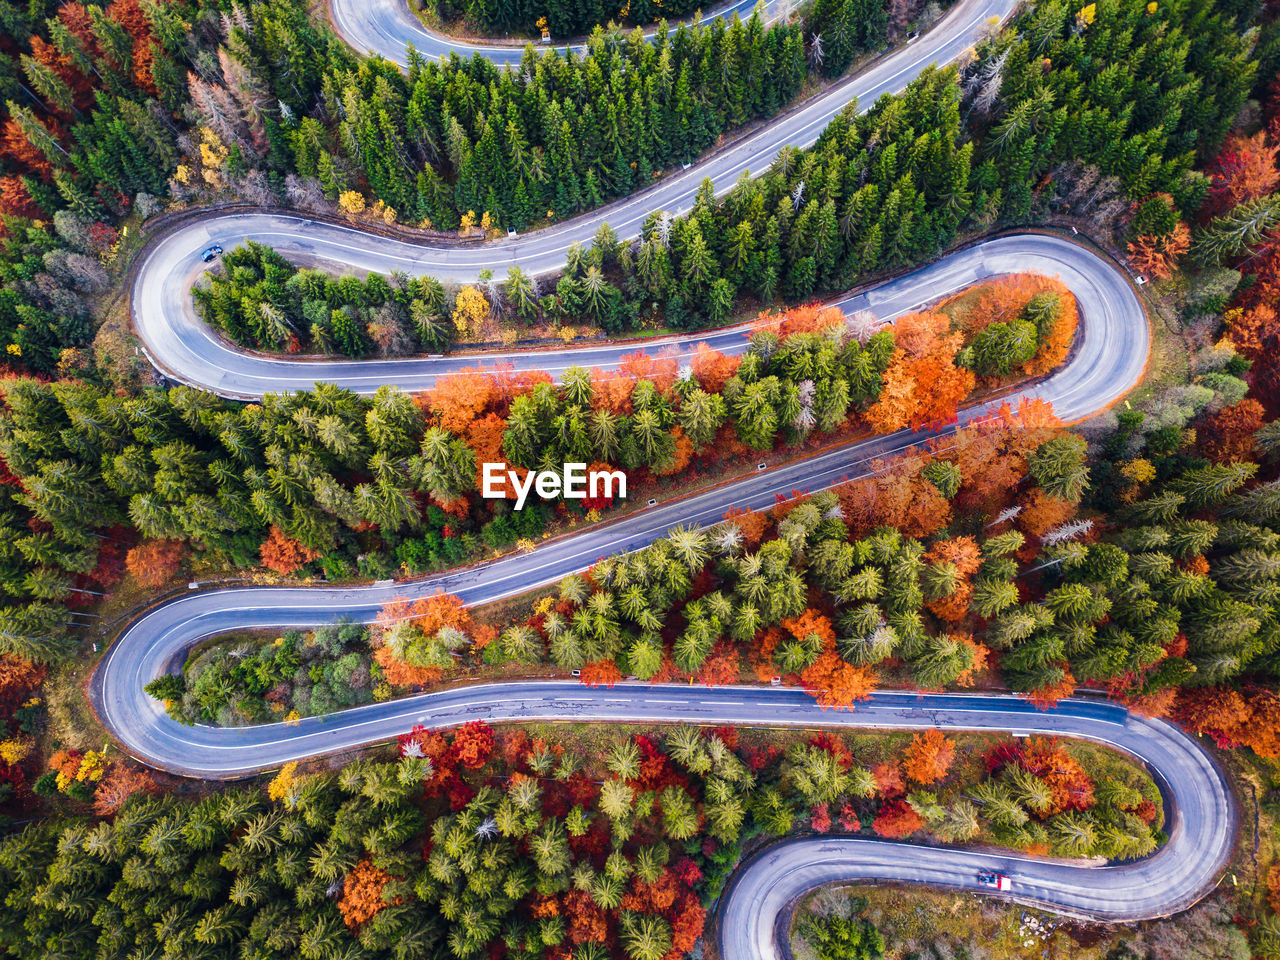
(154, 562)
(509, 383)
(473, 744)
(1227, 435)
(416, 640)
(957, 559)
(1070, 786)
(895, 494)
(661, 370)
(283, 555)
(362, 889)
(713, 369)
(458, 399)
(922, 384)
(1158, 255)
(611, 391)
(1046, 696)
(16, 199)
(1232, 718)
(992, 454)
(928, 757)
(999, 301)
(120, 783)
(830, 679)
(600, 673)
(681, 454)
(752, 523)
(18, 679)
(807, 318)
(1041, 512)
(1004, 300)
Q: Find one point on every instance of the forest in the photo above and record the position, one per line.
(478, 840)
(428, 148)
(1135, 556)
(319, 478)
(978, 557)
(883, 189)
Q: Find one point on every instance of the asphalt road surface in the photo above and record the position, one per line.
(1108, 361)
(184, 348)
(387, 28)
(1201, 816)
(187, 350)
(1112, 344)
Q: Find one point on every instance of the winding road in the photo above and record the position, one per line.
(1109, 359)
(186, 350)
(1112, 345)
(388, 28)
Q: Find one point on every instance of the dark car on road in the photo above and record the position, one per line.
(211, 253)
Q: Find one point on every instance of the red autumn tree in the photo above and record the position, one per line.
(588, 923)
(1245, 169)
(721, 667)
(120, 783)
(1227, 435)
(820, 818)
(687, 925)
(154, 562)
(473, 744)
(928, 758)
(283, 554)
(896, 819)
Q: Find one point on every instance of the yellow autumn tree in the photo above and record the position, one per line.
(469, 313)
(284, 782)
(15, 751)
(351, 202)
